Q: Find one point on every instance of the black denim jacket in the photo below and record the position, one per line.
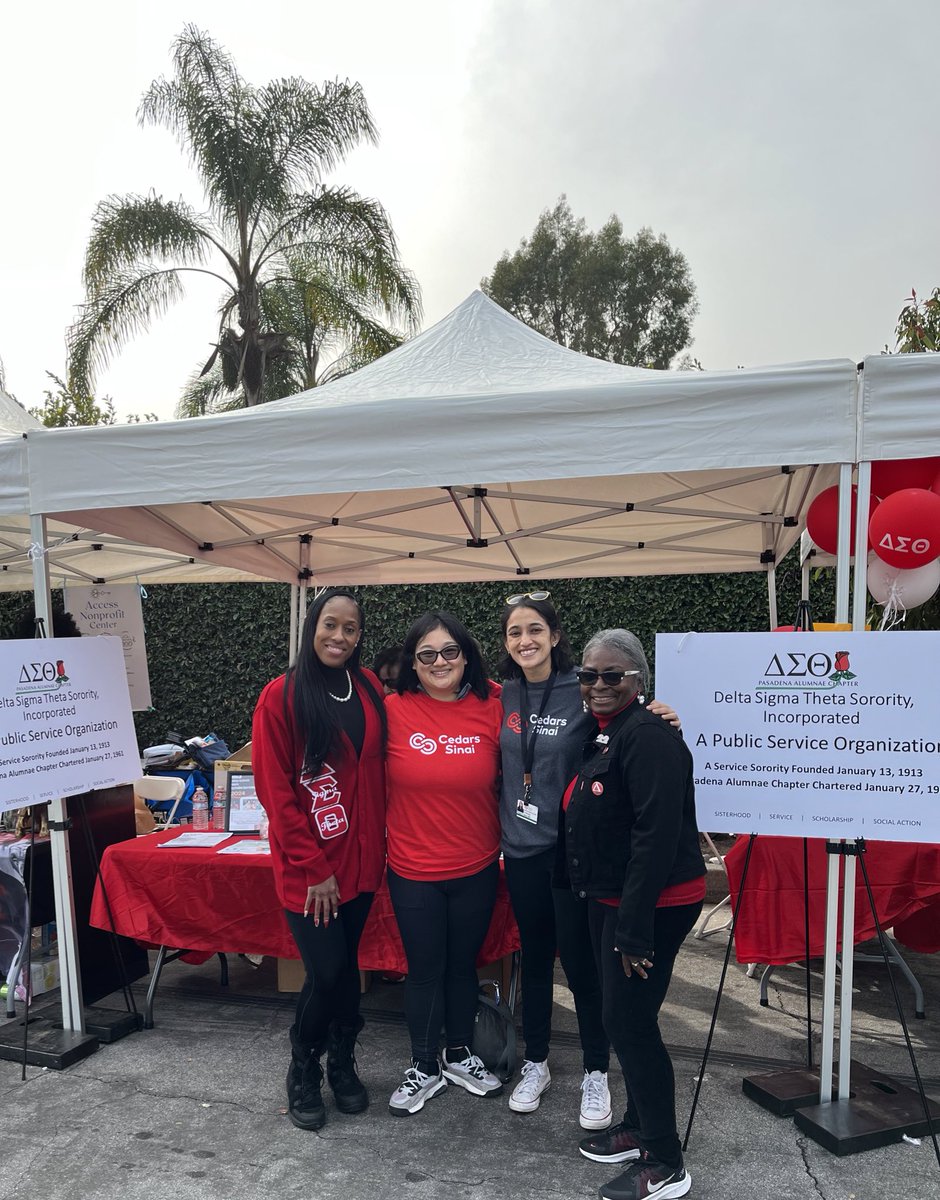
(630, 829)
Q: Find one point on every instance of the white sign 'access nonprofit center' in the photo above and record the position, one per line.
(65, 719)
(810, 734)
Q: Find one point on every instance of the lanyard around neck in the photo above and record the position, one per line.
(528, 744)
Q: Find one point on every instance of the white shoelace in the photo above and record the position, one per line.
(472, 1065)
(594, 1088)
(529, 1083)
(414, 1080)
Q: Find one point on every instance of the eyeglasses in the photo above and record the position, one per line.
(448, 653)
(588, 678)
(518, 597)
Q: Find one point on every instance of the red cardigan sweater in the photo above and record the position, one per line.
(331, 824)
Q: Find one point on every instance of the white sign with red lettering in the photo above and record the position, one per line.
(831, 735)
(66, 725)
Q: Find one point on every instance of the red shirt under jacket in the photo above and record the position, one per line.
(443, 775)
(333, 824)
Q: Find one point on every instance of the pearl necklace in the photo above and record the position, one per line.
(348, 696)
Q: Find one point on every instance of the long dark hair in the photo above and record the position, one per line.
(562, 658)
(314, 714)
(474, 673)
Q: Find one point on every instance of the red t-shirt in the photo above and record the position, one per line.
(442, 768)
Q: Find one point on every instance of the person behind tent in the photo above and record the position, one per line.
(317, 754)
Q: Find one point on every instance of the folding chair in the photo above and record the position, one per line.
(160, 789)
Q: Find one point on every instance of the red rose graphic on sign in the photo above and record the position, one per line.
(841, 667)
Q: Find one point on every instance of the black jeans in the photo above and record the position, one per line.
(631, 1018)
(443, 924)
(550, 918)
(330, 956)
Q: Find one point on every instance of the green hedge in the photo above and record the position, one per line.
(212, 647)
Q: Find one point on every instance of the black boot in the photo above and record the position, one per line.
(351, 1096)
(304, 1081)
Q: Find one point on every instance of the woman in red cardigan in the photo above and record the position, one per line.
(318, 757)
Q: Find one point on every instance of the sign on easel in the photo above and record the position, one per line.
(115, 611)
(65, 719)
(832, 735)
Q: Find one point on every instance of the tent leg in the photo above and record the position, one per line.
(860, 579)
(292, 636)
(73, 1018)
(772, 596)
(844, 543)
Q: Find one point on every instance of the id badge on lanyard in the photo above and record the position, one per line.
(525, 809)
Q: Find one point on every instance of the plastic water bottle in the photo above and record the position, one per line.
(218, 810)
(200, 809)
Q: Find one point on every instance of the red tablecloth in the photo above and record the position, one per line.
(208, 902)
(905, 880)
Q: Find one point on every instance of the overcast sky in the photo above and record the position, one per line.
(788, 149)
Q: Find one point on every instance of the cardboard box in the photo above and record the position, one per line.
(291, 974)
(239, 760)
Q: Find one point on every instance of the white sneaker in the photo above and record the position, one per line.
(536, 1079)
(414, 1090)
(595, 1100)
(471, 1074)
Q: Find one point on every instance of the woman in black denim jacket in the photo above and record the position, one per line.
(628, 842)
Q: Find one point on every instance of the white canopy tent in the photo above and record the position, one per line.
(479, 450)
(77, 553)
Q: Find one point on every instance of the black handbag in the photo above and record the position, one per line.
(494, 1032)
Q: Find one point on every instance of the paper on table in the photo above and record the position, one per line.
(248, 846)
(197, 839)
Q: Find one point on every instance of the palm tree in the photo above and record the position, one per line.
(329, 329)
(261, 154)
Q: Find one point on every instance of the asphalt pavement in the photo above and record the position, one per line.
(195, 1107)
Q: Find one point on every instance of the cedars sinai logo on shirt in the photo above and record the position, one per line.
(450, 743)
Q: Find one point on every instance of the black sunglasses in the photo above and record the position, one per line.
(448, 653)
(518, 597)
(588, 678)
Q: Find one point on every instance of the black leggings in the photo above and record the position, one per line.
(443, 924)
(548, 918)
(631, 1018)
(330, 957)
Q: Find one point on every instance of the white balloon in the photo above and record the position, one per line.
(902, 589)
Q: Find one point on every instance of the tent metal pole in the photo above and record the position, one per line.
(848, 968)
(843, 546)
(73, 1017)
(860, 578)
(772, 596)
(829, 978)
(292, 636)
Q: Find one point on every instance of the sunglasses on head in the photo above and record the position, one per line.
(448, 653)
(518, 597)
(611, 678)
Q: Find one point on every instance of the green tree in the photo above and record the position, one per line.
(329, 331)
(65, 405)
(260, 154)
(918, 326)
(629, 300)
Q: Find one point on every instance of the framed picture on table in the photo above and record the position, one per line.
(243, 811)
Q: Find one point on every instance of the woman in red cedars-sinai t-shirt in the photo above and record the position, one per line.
(442, 771)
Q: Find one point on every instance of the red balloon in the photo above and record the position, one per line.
(822, 518)
(894, 475)
(905, 529)
(935, 486)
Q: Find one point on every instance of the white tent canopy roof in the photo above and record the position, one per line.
(77, 554)
(479, 450)
(900, 407)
